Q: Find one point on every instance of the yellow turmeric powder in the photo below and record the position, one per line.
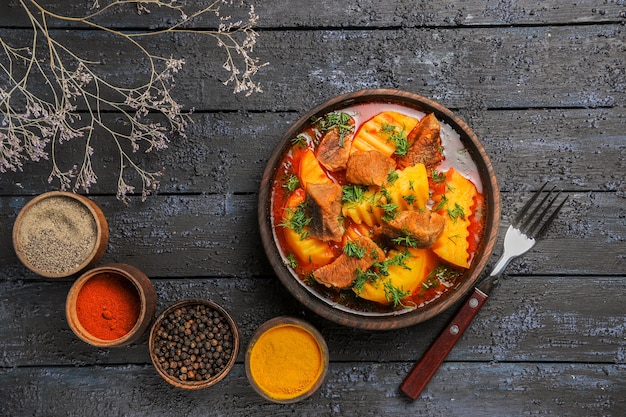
(285, 362)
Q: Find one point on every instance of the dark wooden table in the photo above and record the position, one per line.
(542, 83)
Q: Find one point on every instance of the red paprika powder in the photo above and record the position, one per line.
(108, 306)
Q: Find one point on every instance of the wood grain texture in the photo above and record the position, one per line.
(218, 235)
(549, 389)
(484, 67)
(364, 13)
(527, 319)
(541, 83)
(224, 153)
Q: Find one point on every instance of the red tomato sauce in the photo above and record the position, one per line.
(441, 280)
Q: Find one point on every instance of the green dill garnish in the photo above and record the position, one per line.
(352, 194)
(453, 238)
(362, 278)
(397, 137)
(441, 203)
(387, 128)
(406, 240)
(310, 279)
(438, 176)
(291, 261)
(297, 220)
(398, 259)
(390, 210)
(441, 275)
(340, 120)
(402, 146)
(392, 177)
(382, 267)
(394, 294)
(300, 141)
(353, 250)
(385, 193)
(410, 199)
(456, 212)
(291, 182)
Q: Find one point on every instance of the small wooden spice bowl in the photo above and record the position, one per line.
(111, 306)
(286, 360)
(59, 234)
(194, 344)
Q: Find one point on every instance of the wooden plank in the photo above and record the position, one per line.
(421, 13)
(541, 82)
(217, 235)
(534, 319)
(495, 389)
(368, 13)
(582, 149)
(498, 67)
(585, 152)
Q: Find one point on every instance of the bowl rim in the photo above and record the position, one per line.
(194, 385)
(147, 301)
(281, 321)
(100, 244)
(370, 321)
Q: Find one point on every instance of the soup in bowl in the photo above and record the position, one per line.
(379, 209)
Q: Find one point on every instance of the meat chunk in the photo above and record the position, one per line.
(424, 144)
(369, 168)
(342, 271)
(423, 228)
(323, 206)
(333, 151)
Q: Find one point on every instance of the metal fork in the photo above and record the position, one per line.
(526, 228)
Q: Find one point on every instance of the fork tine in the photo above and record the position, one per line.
(526, 226)
(530, 230)
(522, 212)
(552, 217)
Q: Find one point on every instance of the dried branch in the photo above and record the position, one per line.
(31, 123)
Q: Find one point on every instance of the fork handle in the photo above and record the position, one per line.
(427, 366)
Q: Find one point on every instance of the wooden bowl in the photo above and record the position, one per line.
(204, 342)
(290, 333)
(321, 304)
(87, 300)
(60, 234)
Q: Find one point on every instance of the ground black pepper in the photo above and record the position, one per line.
(57, 234)
(193, 343)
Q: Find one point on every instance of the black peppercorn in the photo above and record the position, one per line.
(193, 343)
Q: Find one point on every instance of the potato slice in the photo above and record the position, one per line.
(374, 134)
(367, 209)
(309, 251)
(410, 189)
(407, 277)
(311, 171)
(452, 246)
